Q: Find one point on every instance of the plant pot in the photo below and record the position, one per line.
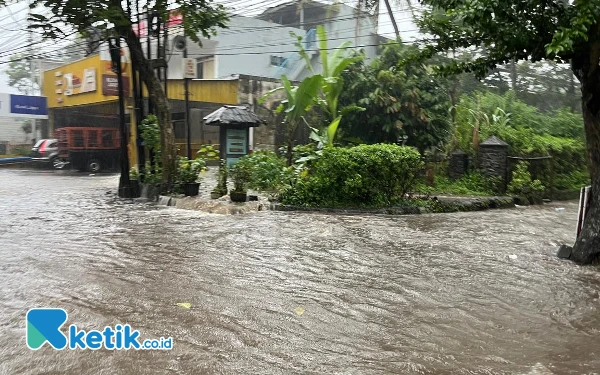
(190, 189)
(238, 196)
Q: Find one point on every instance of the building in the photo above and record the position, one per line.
(236, 67)
(265, 47)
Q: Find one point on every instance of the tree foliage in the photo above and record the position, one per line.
(21, 75)
(407, 100)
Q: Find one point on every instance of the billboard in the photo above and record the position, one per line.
(23, 106)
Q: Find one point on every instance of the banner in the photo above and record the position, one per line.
(23, 106)
(77, 83)
(110, 85)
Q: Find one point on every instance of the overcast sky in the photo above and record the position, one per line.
(14, 38)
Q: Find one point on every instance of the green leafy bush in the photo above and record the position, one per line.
(188, 170)
(365, 175)
(208, 152)
(241, 173)
(268, 172)
(469, 184)
(522, 185)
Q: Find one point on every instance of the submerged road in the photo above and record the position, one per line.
(291, 293)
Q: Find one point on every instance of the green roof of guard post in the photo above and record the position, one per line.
(233, 115)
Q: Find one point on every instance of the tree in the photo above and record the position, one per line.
(399, 101)
(20, 72)
(27, 128)
(560, 30)
(114, 18)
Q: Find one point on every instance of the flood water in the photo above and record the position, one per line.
(464, 293)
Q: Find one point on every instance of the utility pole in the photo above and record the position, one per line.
(125, 190)
(186, 87)
(138, 98)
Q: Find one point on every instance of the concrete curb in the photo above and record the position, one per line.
(441, 205)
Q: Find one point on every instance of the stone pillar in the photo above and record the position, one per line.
(493, 154)
(458, 164)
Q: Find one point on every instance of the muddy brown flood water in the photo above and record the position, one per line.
(464, 293)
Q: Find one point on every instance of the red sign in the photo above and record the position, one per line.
(110, 85)
(175, 19)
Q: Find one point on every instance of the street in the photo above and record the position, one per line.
(283, 293)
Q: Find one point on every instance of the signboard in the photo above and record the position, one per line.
(78, 83)
(110, 85)
(190, 68)
(175, 19)
(23, 106)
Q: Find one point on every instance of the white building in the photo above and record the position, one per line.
(264, 47)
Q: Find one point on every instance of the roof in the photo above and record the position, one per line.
(233, 115)
(493, 141)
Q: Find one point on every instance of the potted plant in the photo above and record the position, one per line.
(240, 174)
(189, 173)
(221, 188)
(151, 178)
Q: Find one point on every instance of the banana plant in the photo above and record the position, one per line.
(299, 100)
(333, 64)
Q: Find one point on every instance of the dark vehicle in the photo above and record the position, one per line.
(45, 151)
(88, 149)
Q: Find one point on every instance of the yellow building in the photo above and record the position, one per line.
(84, 93)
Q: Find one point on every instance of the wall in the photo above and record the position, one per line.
(10, 131)
(251, 89)
(55, 83)
(247, 46)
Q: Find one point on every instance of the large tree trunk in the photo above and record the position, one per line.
(160, 102)
(587, 246)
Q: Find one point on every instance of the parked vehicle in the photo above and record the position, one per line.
(88, 149)
(45, 151)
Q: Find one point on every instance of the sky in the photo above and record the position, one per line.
(14, 37)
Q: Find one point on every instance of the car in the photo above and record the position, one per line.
(45, 151)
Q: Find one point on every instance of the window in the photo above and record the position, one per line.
(78, 138)
(93, 138)
(107, 138)
(206, 67)
(277, 60)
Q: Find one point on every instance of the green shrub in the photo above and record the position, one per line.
(268, 172)
(469, 184)
(241, 173)
(572, 181)
(522, 185)
(365, 175)
(208, 152)
(21, 151)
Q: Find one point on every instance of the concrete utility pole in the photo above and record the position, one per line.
(186, 87)
(125, 190)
